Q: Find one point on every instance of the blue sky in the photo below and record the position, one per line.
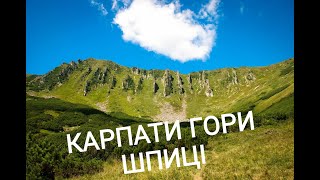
(183, 35)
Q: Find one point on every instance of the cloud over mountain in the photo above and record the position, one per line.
(168, 30)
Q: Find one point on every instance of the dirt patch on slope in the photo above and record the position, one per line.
(169, 114)
(102, 106)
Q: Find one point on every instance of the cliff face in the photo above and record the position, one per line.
(141, 92)
(167, 83)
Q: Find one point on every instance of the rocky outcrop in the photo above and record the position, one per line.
(202, 78)
(180, 84)
(155, 87)
(135, 70)
(128, 83)
(144, 74)
(167, 83)
(149, 74)
(73, 65)
(97, 78)
(105, 75)
(189, 79)
(113, 82)
(86, 73)
(65, 71)
(234, 77)
(208, 89)
(57, 76)
(249, 77)
(97, 75)
(231, 79)
(209, 92)
(86, 88)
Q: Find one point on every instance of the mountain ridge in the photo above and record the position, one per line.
(163, 94)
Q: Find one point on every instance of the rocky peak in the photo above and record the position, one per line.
(167, 83)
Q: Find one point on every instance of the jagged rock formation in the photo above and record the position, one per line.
(180, 84)
(144, 74)
(250, 77)
(98, 78)
(73, 65)
(203, 82)
(66, 71)
(86, 88)
(234, 77)
(55, 77)
(86, 73)
(231, 79)
(105, 76)
(167, 83)
(128, 83)
(135, 70)
(155, 87)
(202, 78)
(189, 79)
(113, 82)
(95, 74)
(208, 90)
(99, 81)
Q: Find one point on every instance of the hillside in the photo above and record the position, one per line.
(91, 95)
(165, 94)
(265, 153)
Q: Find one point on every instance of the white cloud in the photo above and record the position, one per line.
(168, 30)
(209, 10)
(100, 7)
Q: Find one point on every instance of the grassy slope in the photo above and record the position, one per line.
(264, 153)
(272, 84)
